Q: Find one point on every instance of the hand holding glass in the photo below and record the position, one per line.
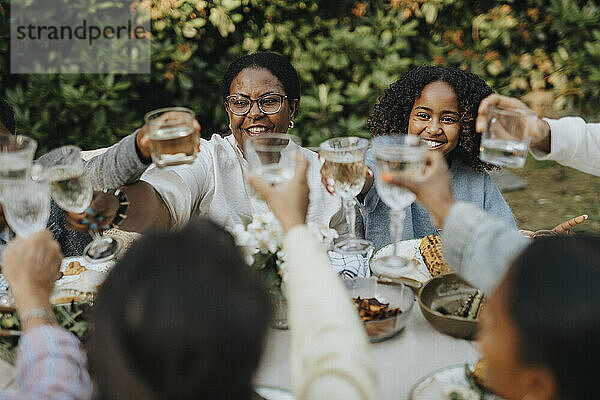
(272, 157)
(173, 139)
(505, 141)
(72, 190)
(345, 164)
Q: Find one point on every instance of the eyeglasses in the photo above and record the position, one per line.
(269, 103)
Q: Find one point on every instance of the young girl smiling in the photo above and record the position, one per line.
(440, 106)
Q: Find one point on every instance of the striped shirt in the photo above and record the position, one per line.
(50, 365)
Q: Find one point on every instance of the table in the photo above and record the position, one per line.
(402, 360)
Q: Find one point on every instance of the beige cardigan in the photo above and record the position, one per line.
(329, 356)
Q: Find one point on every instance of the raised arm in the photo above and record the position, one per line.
(50, 362)
(322, 365)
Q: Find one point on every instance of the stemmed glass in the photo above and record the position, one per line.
(402, 155)
(271, 158)
(72, 190)
(345, 164)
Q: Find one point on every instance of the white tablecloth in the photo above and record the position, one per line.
(415, 352)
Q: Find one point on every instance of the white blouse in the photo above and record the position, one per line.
(214, 186)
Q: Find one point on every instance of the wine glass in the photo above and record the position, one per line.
(26, 203)
(345, 164)
(401, 155)
(72, 190)
(272, 157)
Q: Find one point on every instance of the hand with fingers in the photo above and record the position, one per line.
(30, 265)
(288, 202)
(433, 189)
(98, 216)
(564, 228)
(540, 133)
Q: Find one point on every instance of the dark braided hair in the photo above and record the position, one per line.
(392, 112)
(7, 116)
(276, 64)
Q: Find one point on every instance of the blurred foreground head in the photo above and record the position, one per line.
(181, 316)
(541, 330)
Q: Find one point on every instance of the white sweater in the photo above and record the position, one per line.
(329, 355)
(573, 143)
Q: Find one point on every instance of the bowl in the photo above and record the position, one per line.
(397, 295)
(447, 291)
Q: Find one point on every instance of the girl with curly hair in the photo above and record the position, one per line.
(440, 106)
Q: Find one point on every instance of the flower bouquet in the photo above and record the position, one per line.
(261, 242)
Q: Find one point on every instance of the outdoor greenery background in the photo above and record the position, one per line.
(346, 52)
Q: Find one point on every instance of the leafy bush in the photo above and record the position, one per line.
(346, 52)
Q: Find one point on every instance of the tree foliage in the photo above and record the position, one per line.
(346, 52)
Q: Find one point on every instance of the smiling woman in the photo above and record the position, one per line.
(260, 93)
(440, 106)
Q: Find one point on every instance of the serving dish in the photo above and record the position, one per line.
(447, 292)
(396, 295)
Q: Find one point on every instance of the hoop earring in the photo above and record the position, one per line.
(229, 126)
(292, 124)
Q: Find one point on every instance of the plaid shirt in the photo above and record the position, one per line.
(50, 365)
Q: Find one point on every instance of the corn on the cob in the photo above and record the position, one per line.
(431, 250)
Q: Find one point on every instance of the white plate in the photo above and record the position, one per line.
(271, 393)
(408, 249)
(433, 385)
(71, 281)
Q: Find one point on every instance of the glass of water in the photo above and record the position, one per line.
(16, 156)
(272, 157)
(72, 190)
(345, 164)
(506, 139)
(26, 203)
(400, 155)
(173, 139)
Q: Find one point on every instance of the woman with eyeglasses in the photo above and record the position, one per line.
(261, 94)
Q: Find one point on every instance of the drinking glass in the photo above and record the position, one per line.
(173, 139)
(506, 139)
(72, 190)
(16, 156)
(345, 164)
(26, 203)
(400, 155)
(272, 157)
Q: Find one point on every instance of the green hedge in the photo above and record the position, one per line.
(346, 52)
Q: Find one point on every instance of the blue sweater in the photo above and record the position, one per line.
(467, 185)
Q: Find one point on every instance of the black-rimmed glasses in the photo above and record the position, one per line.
(269, 103)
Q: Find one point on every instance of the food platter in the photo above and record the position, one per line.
(408, 249)
(80, 279)
(440, 384)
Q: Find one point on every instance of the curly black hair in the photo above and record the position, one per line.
(392, 112)
(276, 64)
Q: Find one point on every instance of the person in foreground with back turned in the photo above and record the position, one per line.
(541, 326)
(172, 325)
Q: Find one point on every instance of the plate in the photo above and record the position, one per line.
(271, 393)
(408, 249)
(433, 385)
